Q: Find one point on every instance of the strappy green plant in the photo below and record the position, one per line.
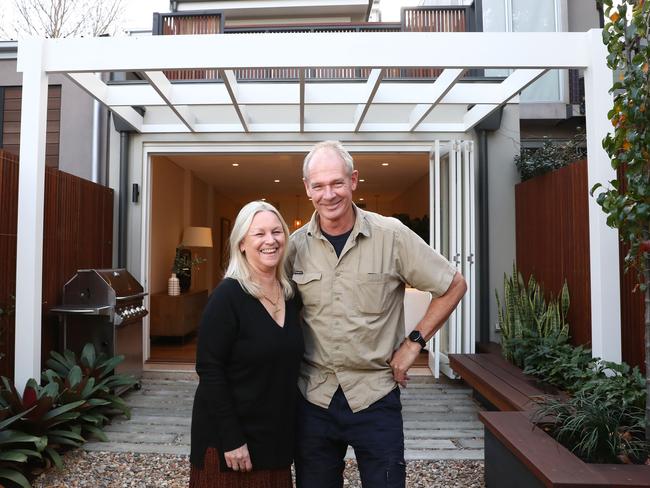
(92, 379)
(76, 399)
(595, 430)
(17, 449)
(44, 415)
(525, 313)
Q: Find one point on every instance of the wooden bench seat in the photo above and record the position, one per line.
(499, 382)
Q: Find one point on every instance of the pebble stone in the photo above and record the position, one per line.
(130, 470)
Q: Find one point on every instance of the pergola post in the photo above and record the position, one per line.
(31, 188)
(603, 240)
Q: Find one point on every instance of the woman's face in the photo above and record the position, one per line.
(264, 243)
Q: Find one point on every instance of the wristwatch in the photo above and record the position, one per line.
(415, 336)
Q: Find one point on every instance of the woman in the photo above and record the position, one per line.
(248, 354)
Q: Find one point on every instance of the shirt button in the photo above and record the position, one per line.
(338, 273)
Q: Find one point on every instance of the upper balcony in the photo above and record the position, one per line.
(413, 19)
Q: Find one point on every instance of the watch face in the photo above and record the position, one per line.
(415, 336)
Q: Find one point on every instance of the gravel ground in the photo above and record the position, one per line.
(116, 470)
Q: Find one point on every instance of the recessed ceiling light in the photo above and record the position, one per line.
(276, 181)
(264, 199)
(362, 180)
(235, 164)
(384, 164)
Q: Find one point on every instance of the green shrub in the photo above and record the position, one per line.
(561, 365)
(17, 449)
(595, 430)
(525, 315)
(533, 162)
(75, 401)
(617, 384)
(43, 415)
(603, 418)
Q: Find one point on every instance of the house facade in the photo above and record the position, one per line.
(208, 122)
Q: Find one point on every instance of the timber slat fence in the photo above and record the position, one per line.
(77, 233)
(552, 219)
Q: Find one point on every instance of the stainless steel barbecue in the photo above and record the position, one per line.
(105, 307)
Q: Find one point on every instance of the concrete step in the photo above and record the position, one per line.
(440, 419)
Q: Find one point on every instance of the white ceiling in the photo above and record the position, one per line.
(255, 175)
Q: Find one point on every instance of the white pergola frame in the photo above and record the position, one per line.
(371, 110)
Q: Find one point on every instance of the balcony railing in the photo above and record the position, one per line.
(417, 19)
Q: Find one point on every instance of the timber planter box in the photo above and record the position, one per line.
(519, 454)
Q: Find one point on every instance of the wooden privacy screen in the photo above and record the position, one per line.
(188, 24)
(552, 235)
(11, 106)
(553, 239)
(77, 233)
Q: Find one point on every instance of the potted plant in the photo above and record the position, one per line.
(183, 265)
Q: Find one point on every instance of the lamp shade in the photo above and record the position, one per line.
(197, 237)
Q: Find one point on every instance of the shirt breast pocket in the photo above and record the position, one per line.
(371, 292)
(309, 286)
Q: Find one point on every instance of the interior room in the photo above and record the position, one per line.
(195, 198)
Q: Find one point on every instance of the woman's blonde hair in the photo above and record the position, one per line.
(238, 267)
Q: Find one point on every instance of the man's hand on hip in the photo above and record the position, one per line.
(403, 359)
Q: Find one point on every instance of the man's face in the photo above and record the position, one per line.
(329, 186)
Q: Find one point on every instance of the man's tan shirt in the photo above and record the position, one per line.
(353, 304)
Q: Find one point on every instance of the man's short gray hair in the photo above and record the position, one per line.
(335, 146)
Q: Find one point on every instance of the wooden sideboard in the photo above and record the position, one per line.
(178, 315)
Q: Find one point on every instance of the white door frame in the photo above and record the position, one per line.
(460, 239)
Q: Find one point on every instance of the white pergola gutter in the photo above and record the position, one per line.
(374, 106)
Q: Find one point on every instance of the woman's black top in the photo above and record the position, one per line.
(248, 370)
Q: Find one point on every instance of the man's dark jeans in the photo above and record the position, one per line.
(376, 434)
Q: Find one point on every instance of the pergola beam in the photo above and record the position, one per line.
(388, 127)
(230, 82)
(508, 88)
(284, 93)
(439, 89)
(97, 89)
(343, 50)
(165, 89)
(372, 85)
(302, 100)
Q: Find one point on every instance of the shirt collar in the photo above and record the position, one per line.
(361, 225)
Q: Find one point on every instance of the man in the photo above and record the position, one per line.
(350, 267)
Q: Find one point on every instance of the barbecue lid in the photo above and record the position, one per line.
(99, 287)
(120, 280)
